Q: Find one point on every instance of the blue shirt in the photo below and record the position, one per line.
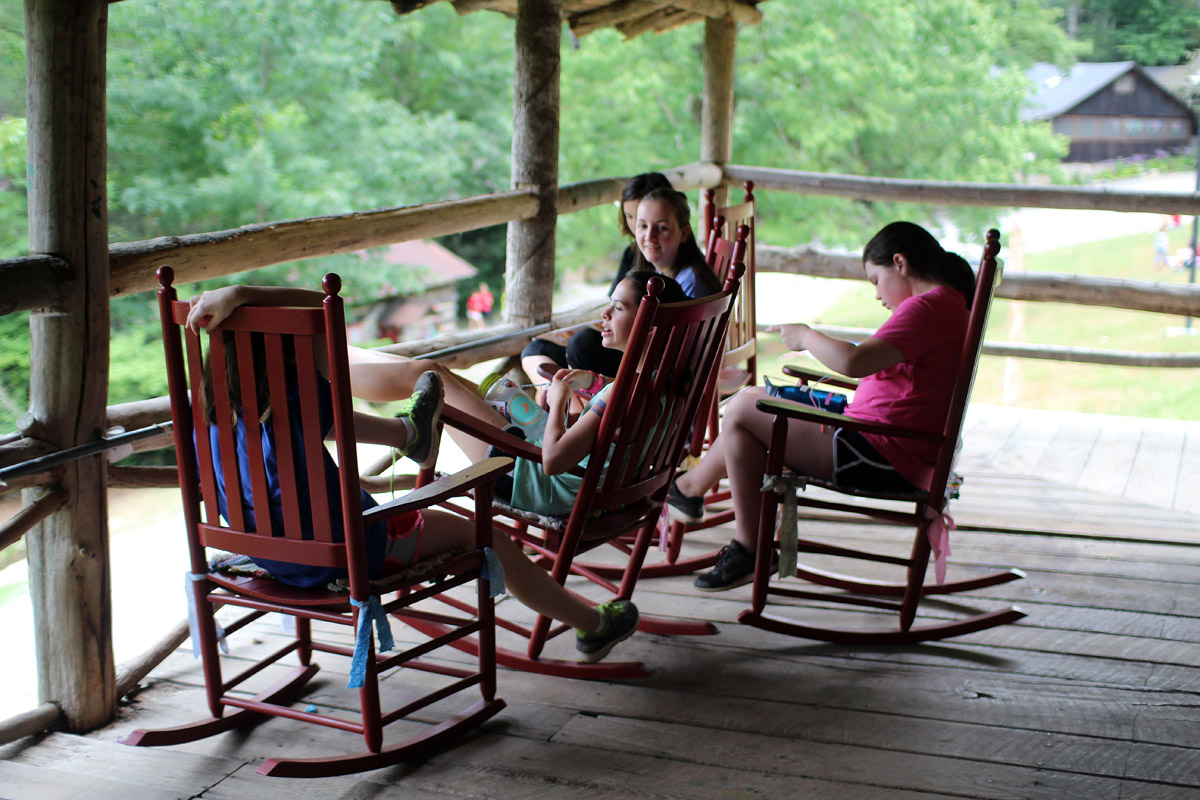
(301, 575)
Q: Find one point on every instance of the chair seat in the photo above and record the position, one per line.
(914, 496)
(596, 531)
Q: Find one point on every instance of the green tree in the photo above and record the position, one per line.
(925, 89)
(1150, 32)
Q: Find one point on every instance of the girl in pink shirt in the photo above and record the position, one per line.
(907, 369)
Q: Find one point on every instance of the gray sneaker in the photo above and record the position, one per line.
(424, 408)
(734, 567)
(682, 508)
(620, 621)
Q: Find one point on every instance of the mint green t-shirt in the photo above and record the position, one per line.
(551, 495)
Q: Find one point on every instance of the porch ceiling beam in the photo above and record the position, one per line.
(660, 21)
(634, 17)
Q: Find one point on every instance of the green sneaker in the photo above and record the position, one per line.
(424, 408)
(620, 621)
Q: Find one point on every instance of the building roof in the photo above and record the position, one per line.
(433, 264)
(1178, 78)
(1056, 92)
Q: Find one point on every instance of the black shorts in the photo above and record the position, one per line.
(858, 465)
(541, 347)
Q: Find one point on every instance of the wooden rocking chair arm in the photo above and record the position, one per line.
(814, 375)
(486, 432)
(442, 489)
(793, 410)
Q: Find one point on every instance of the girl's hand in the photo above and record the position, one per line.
(216, 304)
(794, 336)
(565, 382)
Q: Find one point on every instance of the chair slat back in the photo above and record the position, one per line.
(268, 370)
(655, 400)
(742, 345)
(985, 285)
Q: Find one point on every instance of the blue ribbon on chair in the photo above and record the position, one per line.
(493, 572)
(194, 620)
(371, 610)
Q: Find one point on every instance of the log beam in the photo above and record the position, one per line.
(1163, 298)
(716, 109)
(529, 277)
(1051, 352)
(31, 281)
(68, 219)
(610, 16)
(953, 193)
(209, 255)
(660, 20)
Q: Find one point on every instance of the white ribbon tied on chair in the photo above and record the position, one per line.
(939, 540)
(789, 524)
(369, 611)
(194, 619)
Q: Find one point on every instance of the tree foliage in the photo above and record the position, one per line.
(229, 112)
(1150, 32)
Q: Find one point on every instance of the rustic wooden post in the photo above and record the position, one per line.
(68, 219)
(529, 275)
(716, 110)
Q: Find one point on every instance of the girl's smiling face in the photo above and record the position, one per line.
(616, 321)
(658, 233)
(891, 287)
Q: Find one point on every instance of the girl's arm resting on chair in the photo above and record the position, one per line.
(217, 304)
(850, 359)
(563, 447)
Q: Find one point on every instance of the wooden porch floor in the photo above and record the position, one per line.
(1096, 694)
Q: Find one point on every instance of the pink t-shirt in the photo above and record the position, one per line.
(928, 329)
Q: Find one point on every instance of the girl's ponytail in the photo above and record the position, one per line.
(954, 270)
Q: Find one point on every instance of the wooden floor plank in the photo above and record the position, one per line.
(1067, 453)
(1155, 469)
(1109, 465)
(1187, 486)
(1091, 696)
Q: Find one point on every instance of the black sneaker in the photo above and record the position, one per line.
(682, 508)
(620, 621)
(423, 408)
(734, 567)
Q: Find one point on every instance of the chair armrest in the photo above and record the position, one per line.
(787, 408)
(509, 444)
(494, 436)
(811, 374)
(442, 489)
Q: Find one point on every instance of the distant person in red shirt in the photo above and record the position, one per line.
(479, 305)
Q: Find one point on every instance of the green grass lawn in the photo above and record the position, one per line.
(1035, 383)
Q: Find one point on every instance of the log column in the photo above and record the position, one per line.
(529, 275)
(716, 111)
(68, 219)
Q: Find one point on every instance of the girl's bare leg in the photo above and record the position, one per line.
(526, 581)
(383, 378)
(746, 432)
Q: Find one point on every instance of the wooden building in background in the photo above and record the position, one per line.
(1110, 110)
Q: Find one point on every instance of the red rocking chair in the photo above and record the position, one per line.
(900, 597)
(287, 345)
(651, 409)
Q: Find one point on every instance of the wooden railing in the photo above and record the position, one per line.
(35, 281)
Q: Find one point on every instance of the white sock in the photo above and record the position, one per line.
(603, 624)
(410, 431)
